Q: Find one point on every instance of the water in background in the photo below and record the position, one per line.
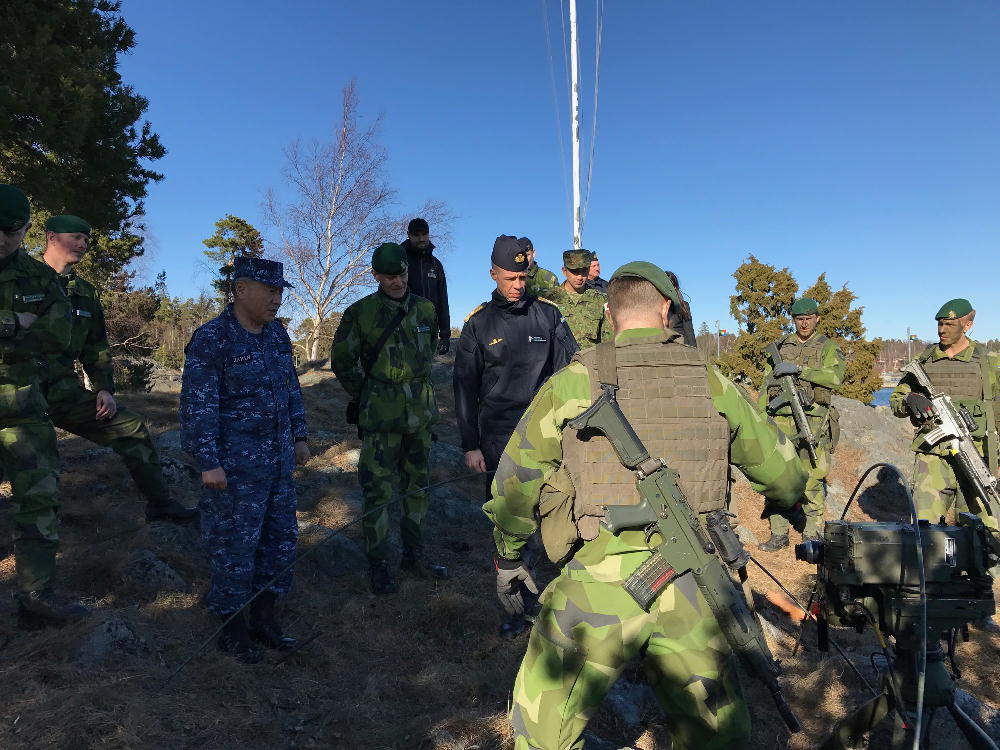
(882, 397)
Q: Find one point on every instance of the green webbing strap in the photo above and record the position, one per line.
(607, 363)
(989, 402)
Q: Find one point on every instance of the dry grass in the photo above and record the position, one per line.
(422, 669)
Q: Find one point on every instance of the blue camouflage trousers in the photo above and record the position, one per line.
(250, 531)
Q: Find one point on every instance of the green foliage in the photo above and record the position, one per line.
(174, 322)
(842, 323)
(234, 237)
(71, 133)
(760, 306)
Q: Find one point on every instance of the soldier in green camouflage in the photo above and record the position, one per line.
(96, 415)
(382, 355)
(34, 324)
(538, 279)
(962, 369)
(817, 364)
(558, 481)
(582, 306)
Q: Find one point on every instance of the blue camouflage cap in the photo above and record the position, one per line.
(270, 272)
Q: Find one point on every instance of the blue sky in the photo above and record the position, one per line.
(857, 138)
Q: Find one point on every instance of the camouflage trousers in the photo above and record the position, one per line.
(589, 628)
(814, 495)
(388, 457)
(125, 433)
(30, 461)
(250, 531)
(936, 490)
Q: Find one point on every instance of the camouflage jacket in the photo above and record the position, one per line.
(908, 383)
(827, 373)
(88, 343)
(534, 454)
(28, 286)
(584, 313)
(241, 407)
(539, 279)
(397, 395)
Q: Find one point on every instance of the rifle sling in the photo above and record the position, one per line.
(607, 363)
(991, 417)
(369, 362)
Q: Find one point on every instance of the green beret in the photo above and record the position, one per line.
(67, 223)
(653, 275)
(574, 259)
(14, 208)
(804, 306)
(954, 308)
(390, 259)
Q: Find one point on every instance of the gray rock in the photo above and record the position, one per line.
(746, 536)
(447, 461)
(169, 440)
(629, 701)
(337, 555)
(459, 511)
(111, 637)
(148, 573)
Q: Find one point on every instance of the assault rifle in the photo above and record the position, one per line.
(793, 396)
(953, 432)
(684, 547)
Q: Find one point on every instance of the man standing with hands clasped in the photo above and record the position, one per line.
(242, 419)
(382, 355)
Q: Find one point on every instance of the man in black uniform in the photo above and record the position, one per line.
(509, 346)
(427, 277)
(594, 280)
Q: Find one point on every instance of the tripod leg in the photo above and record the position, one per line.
(972, 731)
(849, 730)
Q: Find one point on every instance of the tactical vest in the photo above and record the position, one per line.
(663, 391)
(805, 355)
(965, 382)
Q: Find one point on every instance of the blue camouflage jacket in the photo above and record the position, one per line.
(241, 407)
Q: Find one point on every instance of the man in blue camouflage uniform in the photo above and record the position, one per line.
(34, 324)
(242, 419)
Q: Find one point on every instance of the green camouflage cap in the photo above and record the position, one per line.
(14, 208)
(653, 275)
(804, 306)
(390, 259)
(954, 308)
(574, 259)
(67, 223)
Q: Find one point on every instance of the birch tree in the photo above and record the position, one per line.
(339, 208)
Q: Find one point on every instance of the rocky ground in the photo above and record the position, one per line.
(425, 668)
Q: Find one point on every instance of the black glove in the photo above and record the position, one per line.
(444, 345)
(786, 368)
(919, 406)
(795, 516)
(511, 576)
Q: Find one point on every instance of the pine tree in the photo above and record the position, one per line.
(234, 237)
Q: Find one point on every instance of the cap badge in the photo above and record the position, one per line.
(520, 258)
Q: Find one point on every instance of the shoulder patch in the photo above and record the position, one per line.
(474, 312)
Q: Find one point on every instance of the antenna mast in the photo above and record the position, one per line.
(575, 122)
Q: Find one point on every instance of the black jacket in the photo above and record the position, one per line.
(427, 280)
(599, 284)
(506, 351)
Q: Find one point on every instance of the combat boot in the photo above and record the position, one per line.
(776, 542)
(413, 561)
(171, 510)
(264, 625)
(235, 640)
(380, 577)
(45, 608)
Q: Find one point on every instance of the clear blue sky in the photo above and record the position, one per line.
(857, 138)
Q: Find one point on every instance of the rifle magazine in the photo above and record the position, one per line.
(649, 580)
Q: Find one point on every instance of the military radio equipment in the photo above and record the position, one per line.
(912, 582)
(953, 432)
(792, 395)
(684, 548)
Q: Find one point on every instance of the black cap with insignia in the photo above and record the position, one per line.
(508, 254)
